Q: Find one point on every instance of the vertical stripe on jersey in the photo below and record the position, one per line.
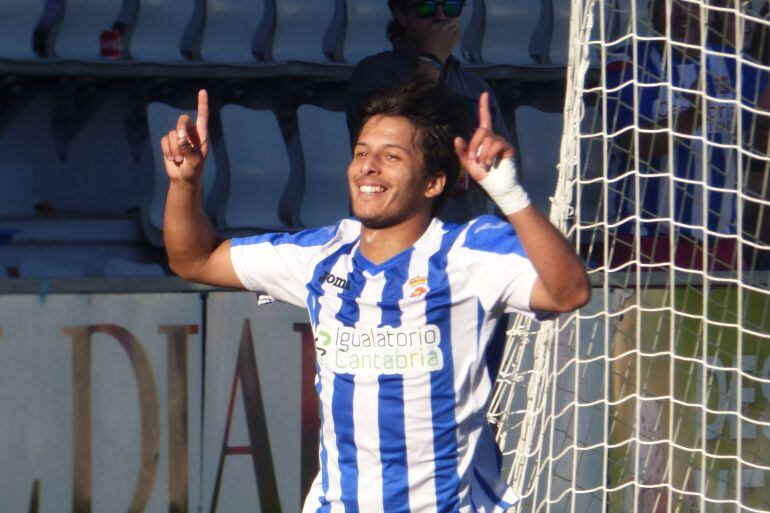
(342, 403)
(395, 477)
(315, 291)
(366, 407)
(443, 403)
(417, 393)
(323, 456)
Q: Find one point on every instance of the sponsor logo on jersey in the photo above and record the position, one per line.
(374, 350)
(335, 281)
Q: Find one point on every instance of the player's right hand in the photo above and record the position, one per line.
(186, 148)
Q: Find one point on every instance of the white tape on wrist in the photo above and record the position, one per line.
(504, 188)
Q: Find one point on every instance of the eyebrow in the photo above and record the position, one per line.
(389, 145)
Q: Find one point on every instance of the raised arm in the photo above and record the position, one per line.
(562, 284)
(194, 252)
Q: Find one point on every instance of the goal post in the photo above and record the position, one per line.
(655, 397)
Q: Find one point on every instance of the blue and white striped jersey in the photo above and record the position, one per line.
(705, 164)
(401, 369)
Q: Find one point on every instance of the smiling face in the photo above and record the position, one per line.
(387, 178)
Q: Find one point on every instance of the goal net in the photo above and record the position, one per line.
(655, 397)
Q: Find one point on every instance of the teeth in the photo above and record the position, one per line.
(371, 188)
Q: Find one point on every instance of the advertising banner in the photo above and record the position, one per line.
(174, 402)
(253, 448)
(95, 410)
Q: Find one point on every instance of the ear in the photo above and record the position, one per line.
(435, 184)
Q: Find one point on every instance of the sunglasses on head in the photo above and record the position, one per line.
(428, 8)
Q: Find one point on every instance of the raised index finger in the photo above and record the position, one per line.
(485, 117)
(202, 121)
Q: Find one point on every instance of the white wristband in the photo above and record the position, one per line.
(504, 188)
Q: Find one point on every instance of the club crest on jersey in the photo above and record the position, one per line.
(418, 287)
(335, 281)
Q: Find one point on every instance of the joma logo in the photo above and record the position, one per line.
(336, 281)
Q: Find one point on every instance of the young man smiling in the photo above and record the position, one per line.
(402, 305)
(424, 33)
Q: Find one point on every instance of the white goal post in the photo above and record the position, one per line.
(655, 398)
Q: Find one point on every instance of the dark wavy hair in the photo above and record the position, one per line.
(395, 30)
(437, 116)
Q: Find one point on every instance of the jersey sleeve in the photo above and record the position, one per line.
(498, 267)
(278, 263)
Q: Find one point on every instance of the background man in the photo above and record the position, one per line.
(402, 305)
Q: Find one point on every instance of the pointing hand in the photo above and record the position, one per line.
(186, 148)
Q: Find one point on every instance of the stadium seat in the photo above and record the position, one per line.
(617, 21)
(365, 29)
(162, 118)
(103, 178)
(558, 50)
(302, 28)
(229, 30)
(643, 21)
(29, 165)
(326, 151)
(81, 26)
(508, 31)
(18, 21)
(160, 29)
(472, 26)
(258, 169)
(539, 138)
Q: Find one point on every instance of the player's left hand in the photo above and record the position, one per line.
(485, 147)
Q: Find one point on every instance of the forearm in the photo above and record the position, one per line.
(562, 282)
(558, 267)
(189, 237)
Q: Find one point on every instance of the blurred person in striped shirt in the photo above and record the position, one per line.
(686, 122)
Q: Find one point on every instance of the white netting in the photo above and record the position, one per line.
(656, 396)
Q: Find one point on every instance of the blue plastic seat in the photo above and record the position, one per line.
(539, 138)
(302, 30)
(229, 30)
(326, 150)
(18, 21)
(258, 169)
(81, 26)
(159, 30)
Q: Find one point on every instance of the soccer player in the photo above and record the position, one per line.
(401, 304)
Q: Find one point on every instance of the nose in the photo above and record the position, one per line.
(369, 165)
(440, 13)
